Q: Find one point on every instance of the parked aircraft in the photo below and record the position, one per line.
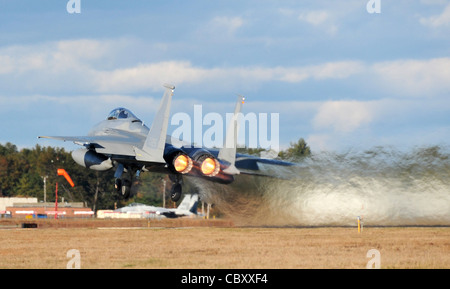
(187, 207)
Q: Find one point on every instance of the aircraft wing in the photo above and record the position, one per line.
(173, 213)
(167, 213)
(107, 144)
(90, 141)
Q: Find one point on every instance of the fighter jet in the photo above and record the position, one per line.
(187, 207)
(125, 143)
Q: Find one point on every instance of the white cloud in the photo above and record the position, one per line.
(435, 21)
(434, 2)
(150, 76)
(423, 78)
(19, 59)
(7, 64)
(93, 66)
(323, 19)
(399, 122)
(328, 70)
(54, 56)
(227, 24)
(337, 70)
(343, 116)
(320, 142)
(220, 28)
(314, 17)
(78, 65)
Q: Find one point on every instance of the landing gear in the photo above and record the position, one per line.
(123, 187)
(176, 191)
(123, 181)
(118, 185)
(126, 174)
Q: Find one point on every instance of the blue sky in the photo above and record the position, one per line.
(338, 76)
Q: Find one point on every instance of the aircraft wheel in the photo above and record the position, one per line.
(126, 189)
(175, 192)
(118, 185)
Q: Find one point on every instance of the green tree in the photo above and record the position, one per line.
(29, 185)
(10, 169)
(296, 151)
(250, 151)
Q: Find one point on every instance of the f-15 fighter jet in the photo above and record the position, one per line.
(124, 143)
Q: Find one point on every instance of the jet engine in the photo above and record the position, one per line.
(92, 160)
(178, 161)
(208, 165)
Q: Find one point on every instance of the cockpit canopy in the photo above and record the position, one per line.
(122, 113)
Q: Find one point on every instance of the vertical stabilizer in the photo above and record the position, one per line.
(153, 149)
(228, 151)
(189, 203)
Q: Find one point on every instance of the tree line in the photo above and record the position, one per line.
(22, 174)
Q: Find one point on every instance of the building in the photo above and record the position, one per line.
(19, 207)
(9, 202)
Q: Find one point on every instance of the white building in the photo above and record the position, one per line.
(9, 202)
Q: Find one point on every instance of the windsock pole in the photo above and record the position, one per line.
(56, 201)
(61, 172)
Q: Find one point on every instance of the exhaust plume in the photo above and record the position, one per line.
(384, 186)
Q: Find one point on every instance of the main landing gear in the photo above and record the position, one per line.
(176, 190)
(124, 181)
(124, 178)
(123, 187)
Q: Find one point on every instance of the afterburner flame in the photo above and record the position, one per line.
(182, 164)
(210, 167)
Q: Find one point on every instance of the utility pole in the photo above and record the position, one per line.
(164, 193)
(45, 191)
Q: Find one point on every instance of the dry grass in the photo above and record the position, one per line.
(224, 246)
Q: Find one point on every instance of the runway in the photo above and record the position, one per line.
(227, 247)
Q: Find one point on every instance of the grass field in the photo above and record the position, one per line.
(219, 244)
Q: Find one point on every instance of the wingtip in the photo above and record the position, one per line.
(169, 86)
(241, 98)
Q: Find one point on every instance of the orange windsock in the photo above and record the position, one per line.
(62, 172)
